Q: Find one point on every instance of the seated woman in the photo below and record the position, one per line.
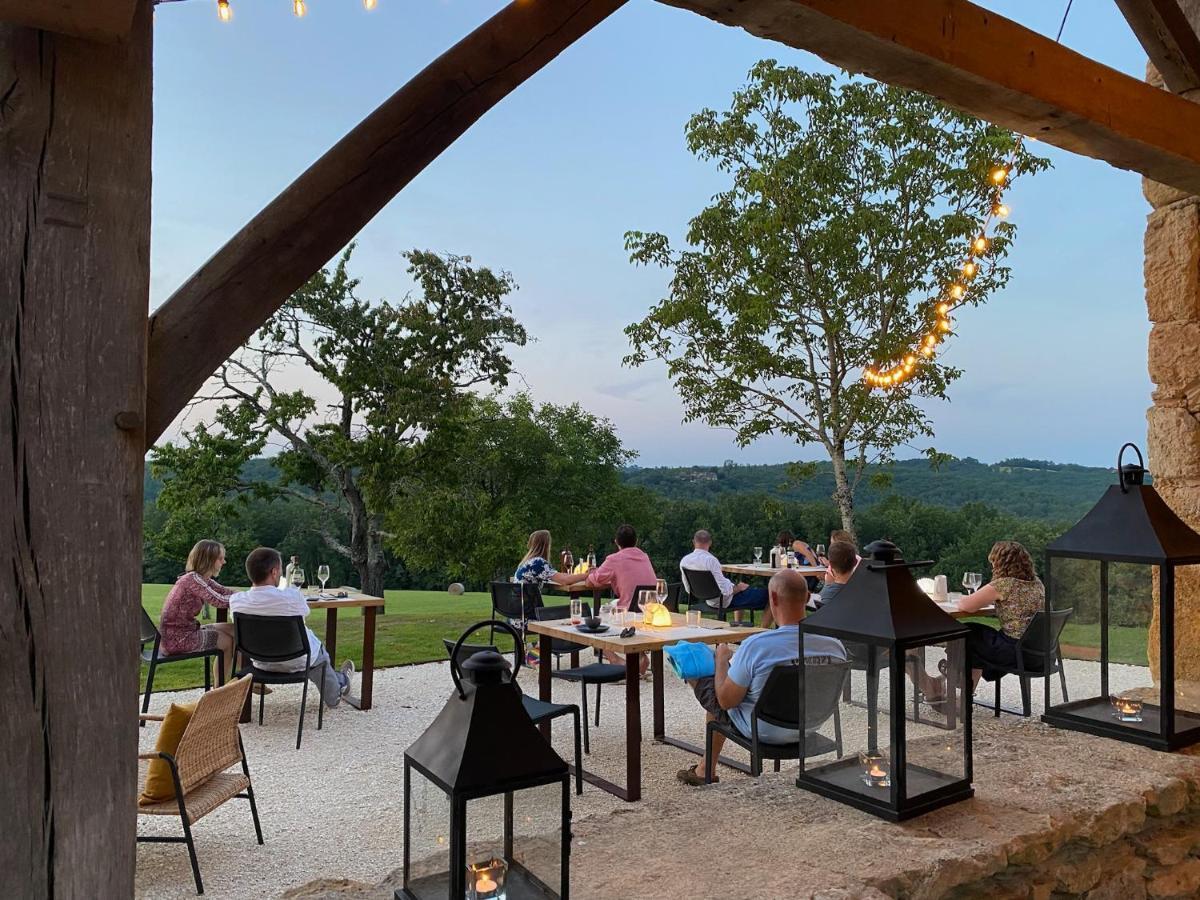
(535, 567)
(181, 632)
(1017, 593)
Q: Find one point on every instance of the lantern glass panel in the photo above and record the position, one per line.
(936, 736)
(537, 833)
(1187, 675)
(428, 838)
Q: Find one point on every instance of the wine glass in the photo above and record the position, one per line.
(297, 577)
(323, 576)
(757, 555)
(660, 590)
(976, 581)
(820, 552)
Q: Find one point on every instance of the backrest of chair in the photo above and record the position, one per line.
(210, 742)
(515, 599)
(635, 603)
(779, 703)
(466, 651)
(675, 595)
(148, 631)
(270, 638)
(701, 584)
(1033, 640)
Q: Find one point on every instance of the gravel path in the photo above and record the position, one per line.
(333, 809)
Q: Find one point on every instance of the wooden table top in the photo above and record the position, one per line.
(951, 607)
(648, 637)
(767, 571)
(353, 598)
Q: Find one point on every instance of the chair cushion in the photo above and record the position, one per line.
(159, 786)
(592, 673)
(541, 710)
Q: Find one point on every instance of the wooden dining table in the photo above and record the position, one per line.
(647, 639)
(329, 601)
(752, 570)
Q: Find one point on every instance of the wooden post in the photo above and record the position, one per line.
(75, 122)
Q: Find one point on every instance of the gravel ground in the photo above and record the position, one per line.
(334, 809)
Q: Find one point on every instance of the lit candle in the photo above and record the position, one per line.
(484, 885)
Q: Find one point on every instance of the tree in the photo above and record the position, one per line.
(392, 376)
(850, 204)
(508, 468)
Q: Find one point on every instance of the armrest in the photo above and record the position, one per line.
(148, 756)
(146, 717)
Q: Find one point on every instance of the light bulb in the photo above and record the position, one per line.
(969, 269)
(927, 351)
(930, 340)
(944, 324)
(369, 5)
(957, 291)
(999, 175)
(979, 245)
(1000, 211)
(299, 8)
(224, 13)
(910, 361)
(943, 308)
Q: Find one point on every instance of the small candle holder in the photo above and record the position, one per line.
(485, 880)
(1126, 709)
(876, 770)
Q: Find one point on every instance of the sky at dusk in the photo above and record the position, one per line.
(547, 183)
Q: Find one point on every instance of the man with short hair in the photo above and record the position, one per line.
(264, 566)
(736, 597)
(730, 693)
(624, 571)
(842, 560)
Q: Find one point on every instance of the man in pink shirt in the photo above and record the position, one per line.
(624, 571)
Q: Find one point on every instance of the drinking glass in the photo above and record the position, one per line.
(576, 611)
(820, 551)
(323, 576)
(976, 581)
(791, 559)
(660, 590)
(693, 617)
(757, 555)
(297, 577)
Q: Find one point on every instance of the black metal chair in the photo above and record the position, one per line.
(149, 634)
(1035, 659)
(779, 705)
(514, 602)
(676, 594)
(635, 602)
(598, 673)
(276, 639)
(539, 710)
(701, 586)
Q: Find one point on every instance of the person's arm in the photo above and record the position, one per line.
(729, 692)
(602, 575)
(807, 552)
(568, 578)
(297, 605)
(726, 586)
(984, 597)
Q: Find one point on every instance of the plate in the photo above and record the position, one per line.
(585, 630)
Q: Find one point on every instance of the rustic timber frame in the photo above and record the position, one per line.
(77, 410)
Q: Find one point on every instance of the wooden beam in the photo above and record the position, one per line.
(993, 68)
(96, 20)
(75, 120)
(248, 279)
(1163, 30)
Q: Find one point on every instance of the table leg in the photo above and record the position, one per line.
(366, 687)
(633, 727)
(660, 723)
(331, 633)
(544, 664)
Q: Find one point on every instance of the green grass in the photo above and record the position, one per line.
(410, 631)
(1126, 645)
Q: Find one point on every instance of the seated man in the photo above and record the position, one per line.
(844, 537)
(842, 561)
(733, 596)
(264, 567)
(730, 694)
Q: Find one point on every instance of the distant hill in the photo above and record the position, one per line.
(1024, 487)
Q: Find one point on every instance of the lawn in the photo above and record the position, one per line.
(1126, 645)
(410, 631)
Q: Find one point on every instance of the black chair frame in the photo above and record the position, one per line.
(779, 705)
(514, 602)
(265, 676)
(149, 634)
(701, 587)
(183, 817)
(1032, 660)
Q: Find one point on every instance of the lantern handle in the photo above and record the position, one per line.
(1120, 454)
(456, 669)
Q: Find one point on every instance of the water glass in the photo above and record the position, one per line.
(660, 590)
(757, 555)
(576, 611)
(323, 576)
(693, 618)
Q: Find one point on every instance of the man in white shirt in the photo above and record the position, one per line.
(738, 596)
(264, 566)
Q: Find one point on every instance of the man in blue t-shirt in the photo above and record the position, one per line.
(729, 695)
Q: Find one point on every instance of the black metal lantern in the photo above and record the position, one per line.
(1131, 528)
(911, 765)
(487, 806)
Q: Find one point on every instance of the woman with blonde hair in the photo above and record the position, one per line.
(1017, 593)
(197, 586)
(535, 567)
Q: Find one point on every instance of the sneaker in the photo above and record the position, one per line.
(347, 672)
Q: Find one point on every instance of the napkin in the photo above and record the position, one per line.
(691, 660)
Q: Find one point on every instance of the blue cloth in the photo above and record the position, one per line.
(752, 664)
(690, 660)
(750, 598)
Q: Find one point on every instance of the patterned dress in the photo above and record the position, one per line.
(535, 571)
(181, 632)
(1018, 601)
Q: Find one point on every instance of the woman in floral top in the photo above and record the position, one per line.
(535, 567)
(1017, 593)
(181, 632)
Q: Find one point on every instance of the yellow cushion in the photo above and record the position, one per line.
(160, 787)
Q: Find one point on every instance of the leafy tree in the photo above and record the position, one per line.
(391, 374)
(850, 203)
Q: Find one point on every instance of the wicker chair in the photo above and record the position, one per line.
(210, 745)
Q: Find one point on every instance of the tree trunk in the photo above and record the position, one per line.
(75, 123)
(843, 494)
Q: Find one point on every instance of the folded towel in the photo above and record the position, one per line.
(691, 660)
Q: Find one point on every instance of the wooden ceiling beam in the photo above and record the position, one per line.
(216, 310)
(990, 67)
(96, 20)
(1169, 39)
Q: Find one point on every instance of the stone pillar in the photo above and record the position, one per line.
(1172, 271)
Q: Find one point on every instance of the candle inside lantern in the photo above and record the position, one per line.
(485, 880)
(875, 770)
(1126, 709)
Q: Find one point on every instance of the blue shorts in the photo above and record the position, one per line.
(751, 598)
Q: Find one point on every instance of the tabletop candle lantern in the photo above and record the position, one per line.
(921, 759)
(1131, 528)
(501, 820)
(655, 613)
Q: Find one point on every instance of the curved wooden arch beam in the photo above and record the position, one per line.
(231, 295)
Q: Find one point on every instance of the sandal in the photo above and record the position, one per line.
(692, 777)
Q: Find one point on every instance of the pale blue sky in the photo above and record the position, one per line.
(548, 182)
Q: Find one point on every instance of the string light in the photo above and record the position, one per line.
(955, 292)
(299, 8)
(224, 13)
(369, 5)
